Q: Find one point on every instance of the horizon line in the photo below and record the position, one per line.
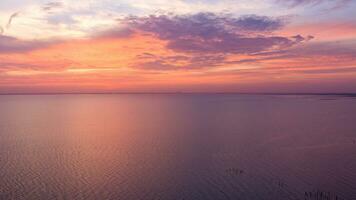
(138, 93)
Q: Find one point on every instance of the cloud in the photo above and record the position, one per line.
(212, 33)
(179, 62)
(206, 39)
(8, 25)
(319, 53)
(52, 5)
(329, 70)
(333, 3)
(332, 49)
(310, 58)
(259, 23)
(63, 18)
(114, 33)
(1, 30)
(231, 44)
(13, 45)
(202, 25)
(57, 15)
(6, 65)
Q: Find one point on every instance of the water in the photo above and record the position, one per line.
(177, 146)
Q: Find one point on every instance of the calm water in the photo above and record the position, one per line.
(177, 147)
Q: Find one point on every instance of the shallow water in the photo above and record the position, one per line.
(181, 146)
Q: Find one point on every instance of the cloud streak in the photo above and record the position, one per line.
(179, 62)
(13, 45)
(48, 7)
(12, 17)
(333, 3)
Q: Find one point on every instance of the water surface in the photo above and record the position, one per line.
(177, 146)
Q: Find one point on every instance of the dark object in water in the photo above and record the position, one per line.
(318, 195)
(234, 171)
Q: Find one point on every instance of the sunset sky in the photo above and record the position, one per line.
(177, 46)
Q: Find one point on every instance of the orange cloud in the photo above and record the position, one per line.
(324, 31)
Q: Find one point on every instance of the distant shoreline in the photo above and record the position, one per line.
(183, 93)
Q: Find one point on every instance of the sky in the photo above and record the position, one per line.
(250, 46)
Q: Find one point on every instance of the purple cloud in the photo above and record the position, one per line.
(322, 54)
(258, 23)
(207, 38)
(203, 25)
(212, 33)
(231, 44)
(13, 45)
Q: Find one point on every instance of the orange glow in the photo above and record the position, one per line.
(102, 64)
